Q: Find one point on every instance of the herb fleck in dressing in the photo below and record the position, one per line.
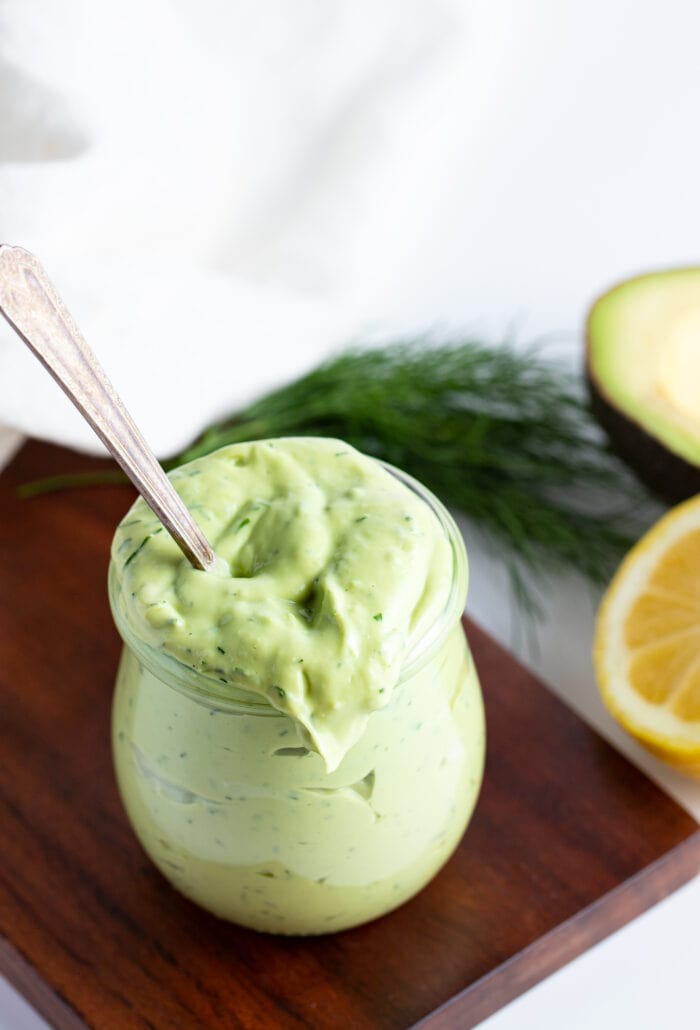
(284, 757)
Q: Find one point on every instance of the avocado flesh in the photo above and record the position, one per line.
(643, 364)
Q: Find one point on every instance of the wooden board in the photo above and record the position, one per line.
(569, 841)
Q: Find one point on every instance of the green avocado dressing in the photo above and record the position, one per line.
(333, 571)
(299, 736)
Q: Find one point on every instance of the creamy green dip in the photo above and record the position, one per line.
(298, 737)
(245, 821)
(336, 569)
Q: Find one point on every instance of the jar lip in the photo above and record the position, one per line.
(426, 646)
(184, 677)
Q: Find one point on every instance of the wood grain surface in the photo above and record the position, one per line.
(569, 841)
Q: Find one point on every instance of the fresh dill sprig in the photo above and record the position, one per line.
(502, 435)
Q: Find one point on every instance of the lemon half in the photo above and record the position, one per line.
(647, 641)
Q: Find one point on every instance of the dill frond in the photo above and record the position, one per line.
(502, 435)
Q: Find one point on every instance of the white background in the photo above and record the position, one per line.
(576, 162)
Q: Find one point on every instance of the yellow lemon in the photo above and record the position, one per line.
(647, 642)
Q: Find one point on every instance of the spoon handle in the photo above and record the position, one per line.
(32, 306)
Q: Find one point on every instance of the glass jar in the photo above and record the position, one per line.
(244, 820)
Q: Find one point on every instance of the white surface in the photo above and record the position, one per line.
(573, 163)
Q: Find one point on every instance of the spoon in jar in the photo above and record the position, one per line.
(31, 304)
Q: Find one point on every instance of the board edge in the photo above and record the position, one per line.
(572, 938)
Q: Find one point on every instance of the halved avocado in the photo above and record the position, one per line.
(643, 367)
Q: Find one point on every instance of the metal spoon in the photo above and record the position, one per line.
(32, 306)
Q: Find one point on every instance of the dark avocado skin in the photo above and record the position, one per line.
(667, 475)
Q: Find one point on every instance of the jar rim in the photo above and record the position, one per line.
(205, 690)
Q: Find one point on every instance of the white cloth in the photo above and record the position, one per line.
(225, 190)
(222, 190)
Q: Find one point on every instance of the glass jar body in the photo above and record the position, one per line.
(246, 822)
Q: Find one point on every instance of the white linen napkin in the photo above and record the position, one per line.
(223, 191)
(226, 190)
